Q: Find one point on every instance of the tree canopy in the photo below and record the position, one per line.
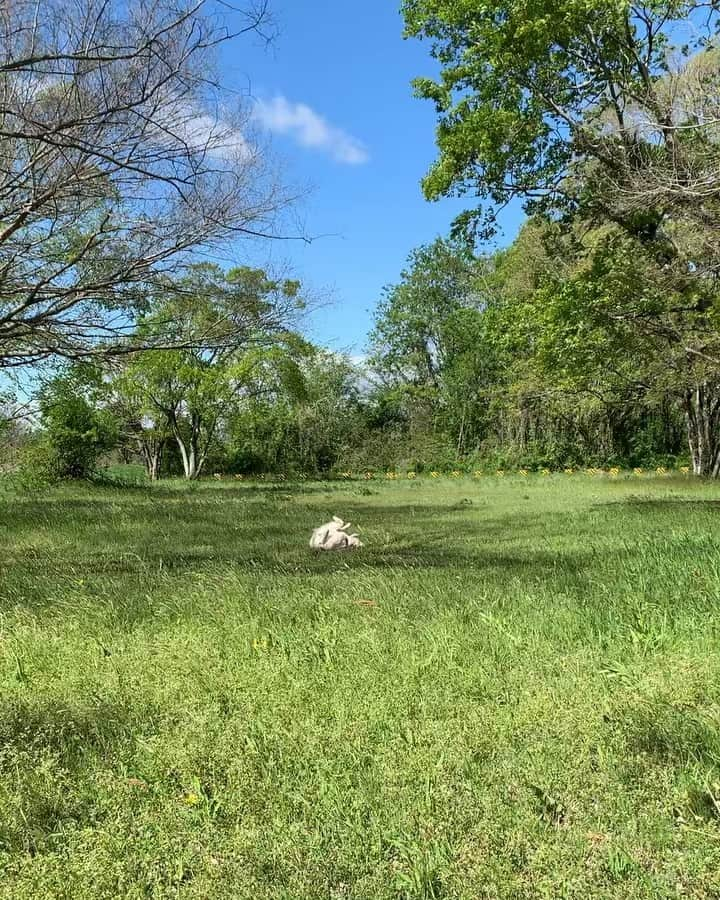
(579, 103)
(120, 157)
(229, 327)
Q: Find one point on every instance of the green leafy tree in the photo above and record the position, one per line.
(428, 347)
(77, 430)
(618, 331)
(327, 420)
(408, 340)
(142, 428)
(530, 94)
(513, 362)
(231, 327)
(582, 374)
(311, 430)
(599, 112)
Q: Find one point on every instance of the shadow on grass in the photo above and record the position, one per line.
(227, 489)
(667, 505)
(46, 746)
(681, 734)
(69, 734)
(128, 545)
(101, 536)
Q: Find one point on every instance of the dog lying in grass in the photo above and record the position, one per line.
(333, 536)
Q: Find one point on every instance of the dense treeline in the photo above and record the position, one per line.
(483, 361)
(602, 118)
(593, 339)
(473, 362)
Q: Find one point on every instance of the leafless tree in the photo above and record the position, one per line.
(120, 158)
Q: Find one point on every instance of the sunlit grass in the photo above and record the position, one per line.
(512, 691)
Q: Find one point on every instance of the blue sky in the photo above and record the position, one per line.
(334, 92)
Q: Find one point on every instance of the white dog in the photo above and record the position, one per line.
(332, 536)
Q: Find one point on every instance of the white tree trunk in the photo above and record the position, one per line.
(702, 417)
(194, 448)
(188, 456)
(153, 459)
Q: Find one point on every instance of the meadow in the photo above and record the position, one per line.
(513, 690)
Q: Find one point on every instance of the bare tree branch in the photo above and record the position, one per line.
(120, 159)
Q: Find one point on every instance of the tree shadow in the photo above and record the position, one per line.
(664, 505)
(184, 534)
(70, 734)
(226, 488)
(673, 733)
(46, 745)
(120, 550)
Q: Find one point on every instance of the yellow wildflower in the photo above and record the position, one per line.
(191, 799)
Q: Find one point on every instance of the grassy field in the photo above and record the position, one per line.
(512, 692)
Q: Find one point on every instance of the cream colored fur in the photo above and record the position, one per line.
(333, 536)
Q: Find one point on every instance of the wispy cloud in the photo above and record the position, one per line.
(216, 137)
(188, 128)
(310, 129)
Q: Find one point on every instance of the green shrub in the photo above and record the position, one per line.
(37, 468)
(76, 431)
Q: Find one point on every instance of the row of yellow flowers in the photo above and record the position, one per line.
(613, 472)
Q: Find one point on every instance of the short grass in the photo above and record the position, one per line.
(512, 692)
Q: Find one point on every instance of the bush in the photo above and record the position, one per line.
(76, 433)
(37, 468)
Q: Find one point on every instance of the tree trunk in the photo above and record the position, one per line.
(197, 458)
(154, 461)
(461, 435)
(189, 457)
(192, 458)
(702, 417)
(150, 447)
(151, 451)
(195, 447)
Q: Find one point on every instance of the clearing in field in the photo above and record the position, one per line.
(512, 691)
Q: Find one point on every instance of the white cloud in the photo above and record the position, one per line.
(310, 129)
(216, 137)
(178, 122)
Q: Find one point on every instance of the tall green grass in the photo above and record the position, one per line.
(513, 691)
